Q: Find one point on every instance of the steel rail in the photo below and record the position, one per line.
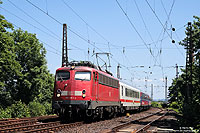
(115, 129)
(29, 127)
(15, 121)
(147, 126)
(23, 123)
(55, 128)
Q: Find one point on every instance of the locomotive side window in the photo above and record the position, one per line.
(83, 76)
(108, 81)
(62, 75)
(93, 76)
(100, 78)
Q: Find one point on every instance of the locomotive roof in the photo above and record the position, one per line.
(84, 68)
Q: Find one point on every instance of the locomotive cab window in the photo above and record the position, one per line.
(62, 75)
(86, 76)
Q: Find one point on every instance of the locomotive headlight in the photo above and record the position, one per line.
(58, 94)
(83, 93)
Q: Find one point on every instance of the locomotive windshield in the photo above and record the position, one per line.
(83, 76)
(62, 75)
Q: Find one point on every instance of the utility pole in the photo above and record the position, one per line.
(176, 71)
(146, 84)
(199, 65)
(64, 47)
(166, 89)
(189, 62)
(118, 71)
(152, 91)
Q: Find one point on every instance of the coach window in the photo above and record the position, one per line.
(125, 91)
(62, 75)
(122, 90)
(86, 76)
(131, 93)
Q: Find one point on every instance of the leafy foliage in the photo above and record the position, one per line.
(23, 71)
(156, 104)
(36, 109)
(190, 109)
(19, 110)
(5, 113)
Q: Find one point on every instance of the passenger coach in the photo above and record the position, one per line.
(129, 97)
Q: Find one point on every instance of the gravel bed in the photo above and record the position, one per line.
(96, 127)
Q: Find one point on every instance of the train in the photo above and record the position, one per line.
(82, 90)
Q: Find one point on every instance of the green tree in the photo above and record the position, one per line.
(19, 110)
(23, 68)
(9, 67)
(36, 109)
(36, 82)
(177, 92)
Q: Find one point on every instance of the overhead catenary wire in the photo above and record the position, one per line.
(132, 25)
(57, 37)
(27, 22)
(35, 26)
(165, 29)
(57, 53)
(90, 34)
(69, 28)
(51, 18)
(163, 26)
(138, 9)
(87, 24)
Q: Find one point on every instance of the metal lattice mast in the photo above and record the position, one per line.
(166, 88)
(189, 62)
(64, 46)
(118, 71)
(152, 91)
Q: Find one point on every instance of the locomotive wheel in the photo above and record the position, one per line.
(122, 110)
(101, 112)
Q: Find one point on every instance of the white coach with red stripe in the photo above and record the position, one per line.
(129, 96)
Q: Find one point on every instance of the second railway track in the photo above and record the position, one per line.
(140, 124)
(34, 124)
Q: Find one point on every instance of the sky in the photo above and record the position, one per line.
(137, 33)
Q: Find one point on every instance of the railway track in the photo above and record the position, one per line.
(140, 124)
(37, 124)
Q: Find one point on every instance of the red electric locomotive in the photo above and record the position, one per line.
(83, 90)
